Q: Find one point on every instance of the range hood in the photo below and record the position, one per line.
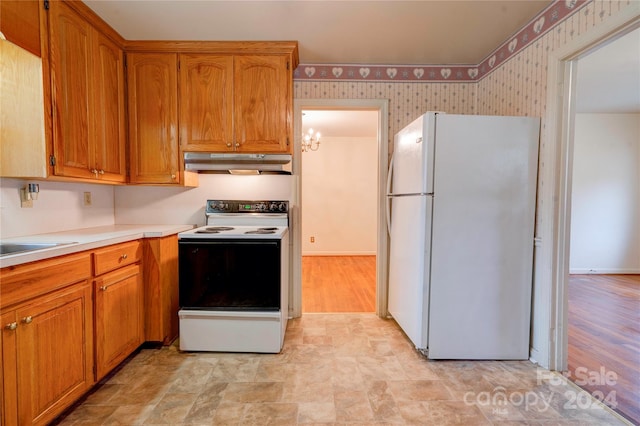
(237, 163)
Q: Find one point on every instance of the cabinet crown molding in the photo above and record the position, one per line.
(213, 47)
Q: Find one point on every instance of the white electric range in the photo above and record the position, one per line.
(234, 284)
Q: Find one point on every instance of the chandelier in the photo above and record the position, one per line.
(310, 142)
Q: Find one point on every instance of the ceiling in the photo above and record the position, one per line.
(427, 32)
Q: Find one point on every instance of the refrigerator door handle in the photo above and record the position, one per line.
(390, 174)
(388, 206)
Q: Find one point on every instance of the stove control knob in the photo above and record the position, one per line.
(282, 207)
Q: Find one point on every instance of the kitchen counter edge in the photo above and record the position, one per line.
(77, 240)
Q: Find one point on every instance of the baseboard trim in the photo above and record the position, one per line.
(604, 271)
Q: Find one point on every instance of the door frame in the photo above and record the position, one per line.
(382, 107)
(552, 268)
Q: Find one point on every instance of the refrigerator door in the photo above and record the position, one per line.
(409, 265)
(482, 241)
(413, 157)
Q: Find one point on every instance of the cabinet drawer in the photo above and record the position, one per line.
(23, 282)
(114, 257)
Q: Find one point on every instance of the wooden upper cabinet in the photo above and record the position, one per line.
(262, 113)
(87, 75)
(107, 152)
(235, 103)
(69, 38)
(20, 23)
(206, 102)
(152, 80)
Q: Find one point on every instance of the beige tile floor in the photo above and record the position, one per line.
(334, 369)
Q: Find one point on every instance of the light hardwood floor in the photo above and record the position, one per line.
(604, 333)
(338, 283)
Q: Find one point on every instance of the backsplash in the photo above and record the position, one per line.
(170, 205)
(59, 207)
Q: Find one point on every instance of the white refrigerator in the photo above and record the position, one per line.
(462, 191)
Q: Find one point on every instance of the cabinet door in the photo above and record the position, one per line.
(206, 102)
(153, 117)
(107, 148)
(54, 353)
(20, 23)
(119, 320)
(161, 289)
(9, 382)
(262, 103)
(70, 45)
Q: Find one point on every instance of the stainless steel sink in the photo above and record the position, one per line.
(13, 248)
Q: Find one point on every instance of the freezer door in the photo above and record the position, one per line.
(413, 157)
(482, 241)
(409, 265)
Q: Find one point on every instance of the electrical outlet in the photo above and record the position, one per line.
(313, 239)
(87, 199)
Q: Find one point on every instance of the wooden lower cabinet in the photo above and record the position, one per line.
(161, 289)
(47, 355)
(119, 322)
(68, 321)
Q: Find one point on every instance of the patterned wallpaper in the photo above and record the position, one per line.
(406, 100)
(518, 87)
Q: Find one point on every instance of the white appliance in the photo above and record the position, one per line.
(234, 278)
(462, 191)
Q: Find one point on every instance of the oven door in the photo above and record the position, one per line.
(229, 274)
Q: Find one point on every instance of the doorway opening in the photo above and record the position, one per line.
(604, 261)
(554, 259)
(338, 210)
(340, 245)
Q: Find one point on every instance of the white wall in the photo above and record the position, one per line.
(59, 207)
(605, 203)
(339, 197)
(170, 205)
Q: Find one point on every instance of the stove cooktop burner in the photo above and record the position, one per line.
(262, 231)
(214, 229)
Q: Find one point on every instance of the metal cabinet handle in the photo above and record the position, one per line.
(228, 144)
(173, 176)
(103, 287)
(94, 171)
(124, 256)
(101, 171)
(11, 326)
(27, 320)
(237, 144)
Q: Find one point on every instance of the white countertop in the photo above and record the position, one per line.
(85, 239)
